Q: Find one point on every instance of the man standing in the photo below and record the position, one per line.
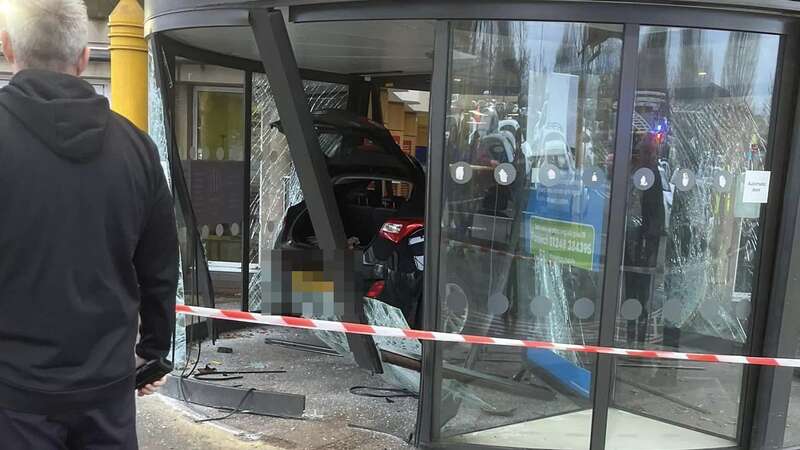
(88, 245)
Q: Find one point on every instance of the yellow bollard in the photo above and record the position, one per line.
(128, 62)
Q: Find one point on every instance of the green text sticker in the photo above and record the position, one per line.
(563, 242)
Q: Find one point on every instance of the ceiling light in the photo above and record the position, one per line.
(702, 74)
(5, 8)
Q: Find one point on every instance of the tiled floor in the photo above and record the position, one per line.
(626, 431)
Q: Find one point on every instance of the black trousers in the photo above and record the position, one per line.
(111, 426)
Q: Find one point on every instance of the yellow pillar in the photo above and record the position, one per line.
(128, 62)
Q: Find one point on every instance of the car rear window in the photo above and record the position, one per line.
(337, 145)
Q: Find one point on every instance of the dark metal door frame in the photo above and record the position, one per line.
(248, 151)
(767, 389)
(428, 425)
(603, 377)
(768, 426)
(664, 14)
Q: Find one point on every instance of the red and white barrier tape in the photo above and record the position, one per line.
(374, 330)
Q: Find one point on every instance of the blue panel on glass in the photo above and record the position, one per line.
(565, 222)
(569, 375)
(421, 153)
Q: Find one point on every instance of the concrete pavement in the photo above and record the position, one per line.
(164, 425)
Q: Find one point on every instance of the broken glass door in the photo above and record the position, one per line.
(699, 181)
(530, 138)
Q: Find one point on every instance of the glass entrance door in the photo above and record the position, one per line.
(699, 178)
(530, 141)
(530, 147)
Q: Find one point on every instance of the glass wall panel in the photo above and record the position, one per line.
(698, 183)
(219, 128)
(215, 166)
(361, 160)
(157, 129)
(274, 186)
(529, 143)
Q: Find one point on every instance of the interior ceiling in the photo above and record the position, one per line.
(364, 48)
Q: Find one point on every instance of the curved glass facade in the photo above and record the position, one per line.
(611, 179)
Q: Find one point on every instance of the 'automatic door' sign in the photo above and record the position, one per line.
(756, 186)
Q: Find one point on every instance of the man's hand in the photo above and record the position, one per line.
(152, 387)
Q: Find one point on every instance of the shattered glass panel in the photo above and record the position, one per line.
(381, 314)
(274, 186)
(703, 116)
(529, 145)
(699, 179)
(194, 286)
(158, 133)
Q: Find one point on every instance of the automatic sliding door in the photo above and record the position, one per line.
(530, 139)
(698, 184)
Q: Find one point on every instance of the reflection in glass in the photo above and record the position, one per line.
(530, 135)
(215, 170)
(701, 124)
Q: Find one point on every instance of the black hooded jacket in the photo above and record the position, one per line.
(87, 245)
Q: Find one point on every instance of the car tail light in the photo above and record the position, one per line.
(396, 230)
(376, 289)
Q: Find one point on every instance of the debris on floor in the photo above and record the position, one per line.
(346, 407)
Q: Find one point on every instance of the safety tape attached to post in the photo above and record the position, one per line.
(374, 330)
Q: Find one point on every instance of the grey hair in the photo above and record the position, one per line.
(47, 34)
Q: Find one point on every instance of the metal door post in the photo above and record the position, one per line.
(773, 385)
(603, 379)
(280, 66)
(428, 415)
